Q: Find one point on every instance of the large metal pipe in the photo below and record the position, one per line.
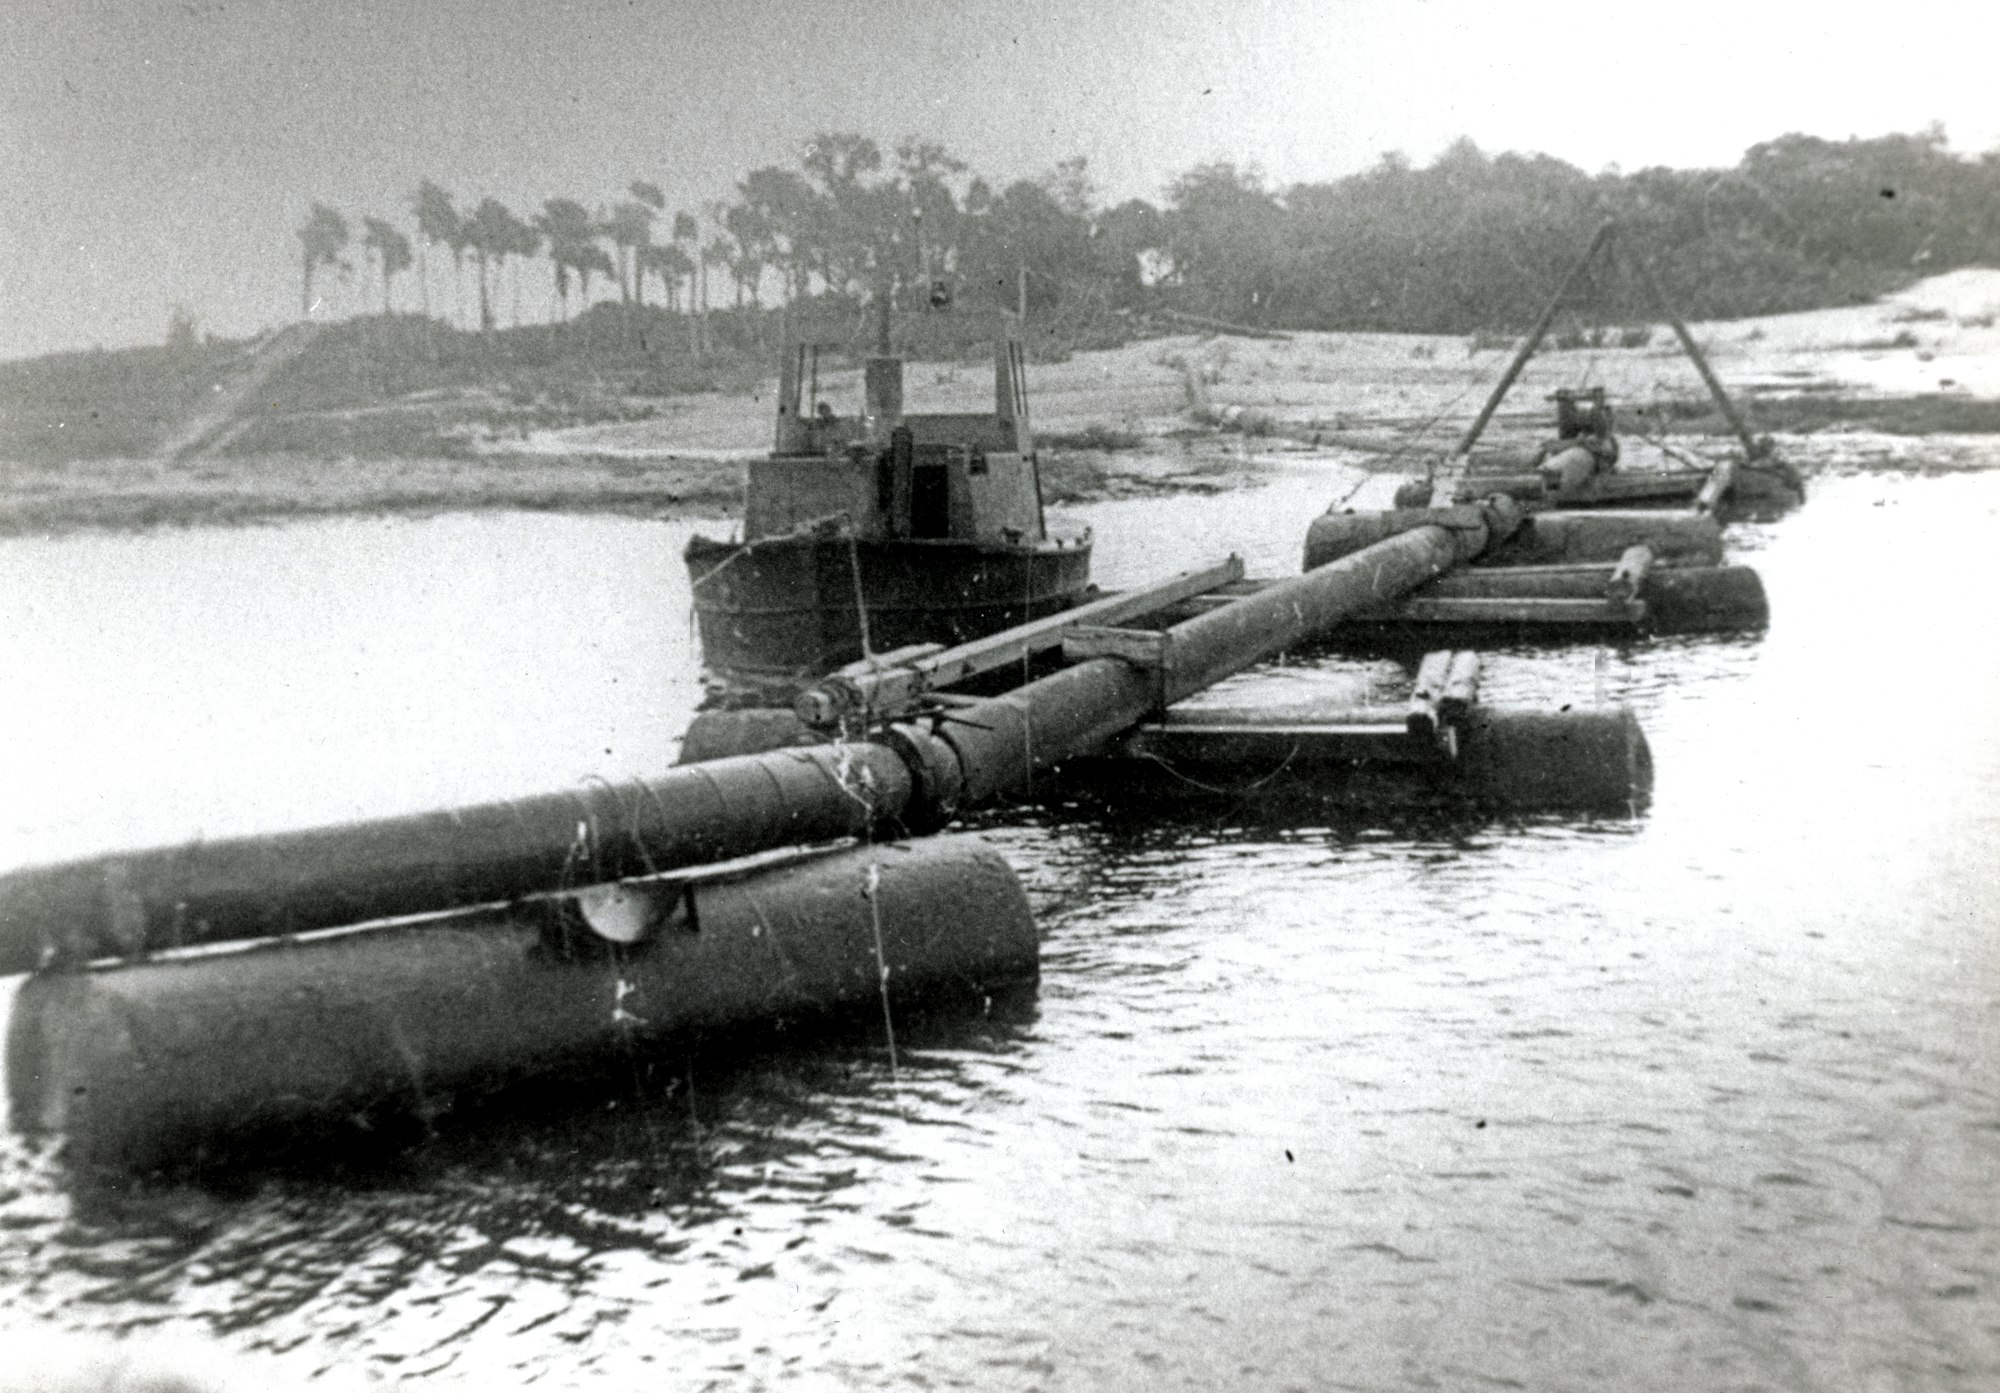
(696, 813)
(1002, 744)
(293, 882)
(192, 1056)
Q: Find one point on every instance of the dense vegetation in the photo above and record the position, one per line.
(646, 302)
(1472, 241)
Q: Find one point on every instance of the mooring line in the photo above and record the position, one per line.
(1244, 791)
(871, 883)
(860, 599)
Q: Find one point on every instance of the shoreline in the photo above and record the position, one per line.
(128, 496)
(136, 496)
(1908, 383)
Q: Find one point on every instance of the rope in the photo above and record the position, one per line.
(870, 883)
(629, 808)
(860, 600)
(744, 549)
(844, 767)
(1242, 792)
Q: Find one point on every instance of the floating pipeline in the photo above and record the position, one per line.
(214, 1055)
(1548, 538)
(1322, 757)
(907, 778)
(323, 877)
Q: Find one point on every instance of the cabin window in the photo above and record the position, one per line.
(976, 462)
(930, 501)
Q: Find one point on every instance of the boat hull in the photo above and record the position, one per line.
(783, 609)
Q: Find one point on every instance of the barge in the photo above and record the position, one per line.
(872, 532)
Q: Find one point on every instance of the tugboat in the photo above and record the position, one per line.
(864, 534)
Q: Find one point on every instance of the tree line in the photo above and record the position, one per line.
(1470, 241)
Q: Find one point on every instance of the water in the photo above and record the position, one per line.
(1701, 1100)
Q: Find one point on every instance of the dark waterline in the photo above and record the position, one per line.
(1703, 1099)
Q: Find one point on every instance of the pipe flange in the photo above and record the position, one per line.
(935, 777)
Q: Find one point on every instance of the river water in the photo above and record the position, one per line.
(1708, 1098)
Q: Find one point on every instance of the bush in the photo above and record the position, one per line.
(1091, 437)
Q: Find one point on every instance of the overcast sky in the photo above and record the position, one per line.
(165, 151)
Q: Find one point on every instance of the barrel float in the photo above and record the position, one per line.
(1545, 538)
(1678, 599)
(207, 1055)
(1572, 535)
(1705, 599)
(1593, 759)
(747, 731)
(1582, 760)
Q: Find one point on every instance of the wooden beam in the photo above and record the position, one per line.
(1432, 673)
(1622, 587)
(1530, 344)
(1261, 745)
(886, 692)
(1720, 481)
(1420, 609)
(1146, 648)
(1461, 687)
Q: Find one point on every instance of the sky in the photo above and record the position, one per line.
(163, 153)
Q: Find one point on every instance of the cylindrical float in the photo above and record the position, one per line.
(1584, 760)
(1678, 599)
(746, 731)
(1568, 469)
(212, 1054)
(1704, 598)
(1592, 759)
(1571, 535)
(1545, 538)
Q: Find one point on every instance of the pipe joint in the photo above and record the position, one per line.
(936, 780)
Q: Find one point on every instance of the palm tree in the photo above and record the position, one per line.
(392, 252)
(320, 241)
(716, 253)
(786, 209)
(489, 233)
(437, 221)
(653, 202)
(669, 263)
(523, 241)
(687, 230)
(565, 225)
(753, 235)
(630, 229)
(591, 257)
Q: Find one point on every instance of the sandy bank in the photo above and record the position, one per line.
(1898, 379)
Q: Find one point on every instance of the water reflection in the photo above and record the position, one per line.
(570, 1211)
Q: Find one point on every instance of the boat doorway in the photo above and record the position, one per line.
(930, 501)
